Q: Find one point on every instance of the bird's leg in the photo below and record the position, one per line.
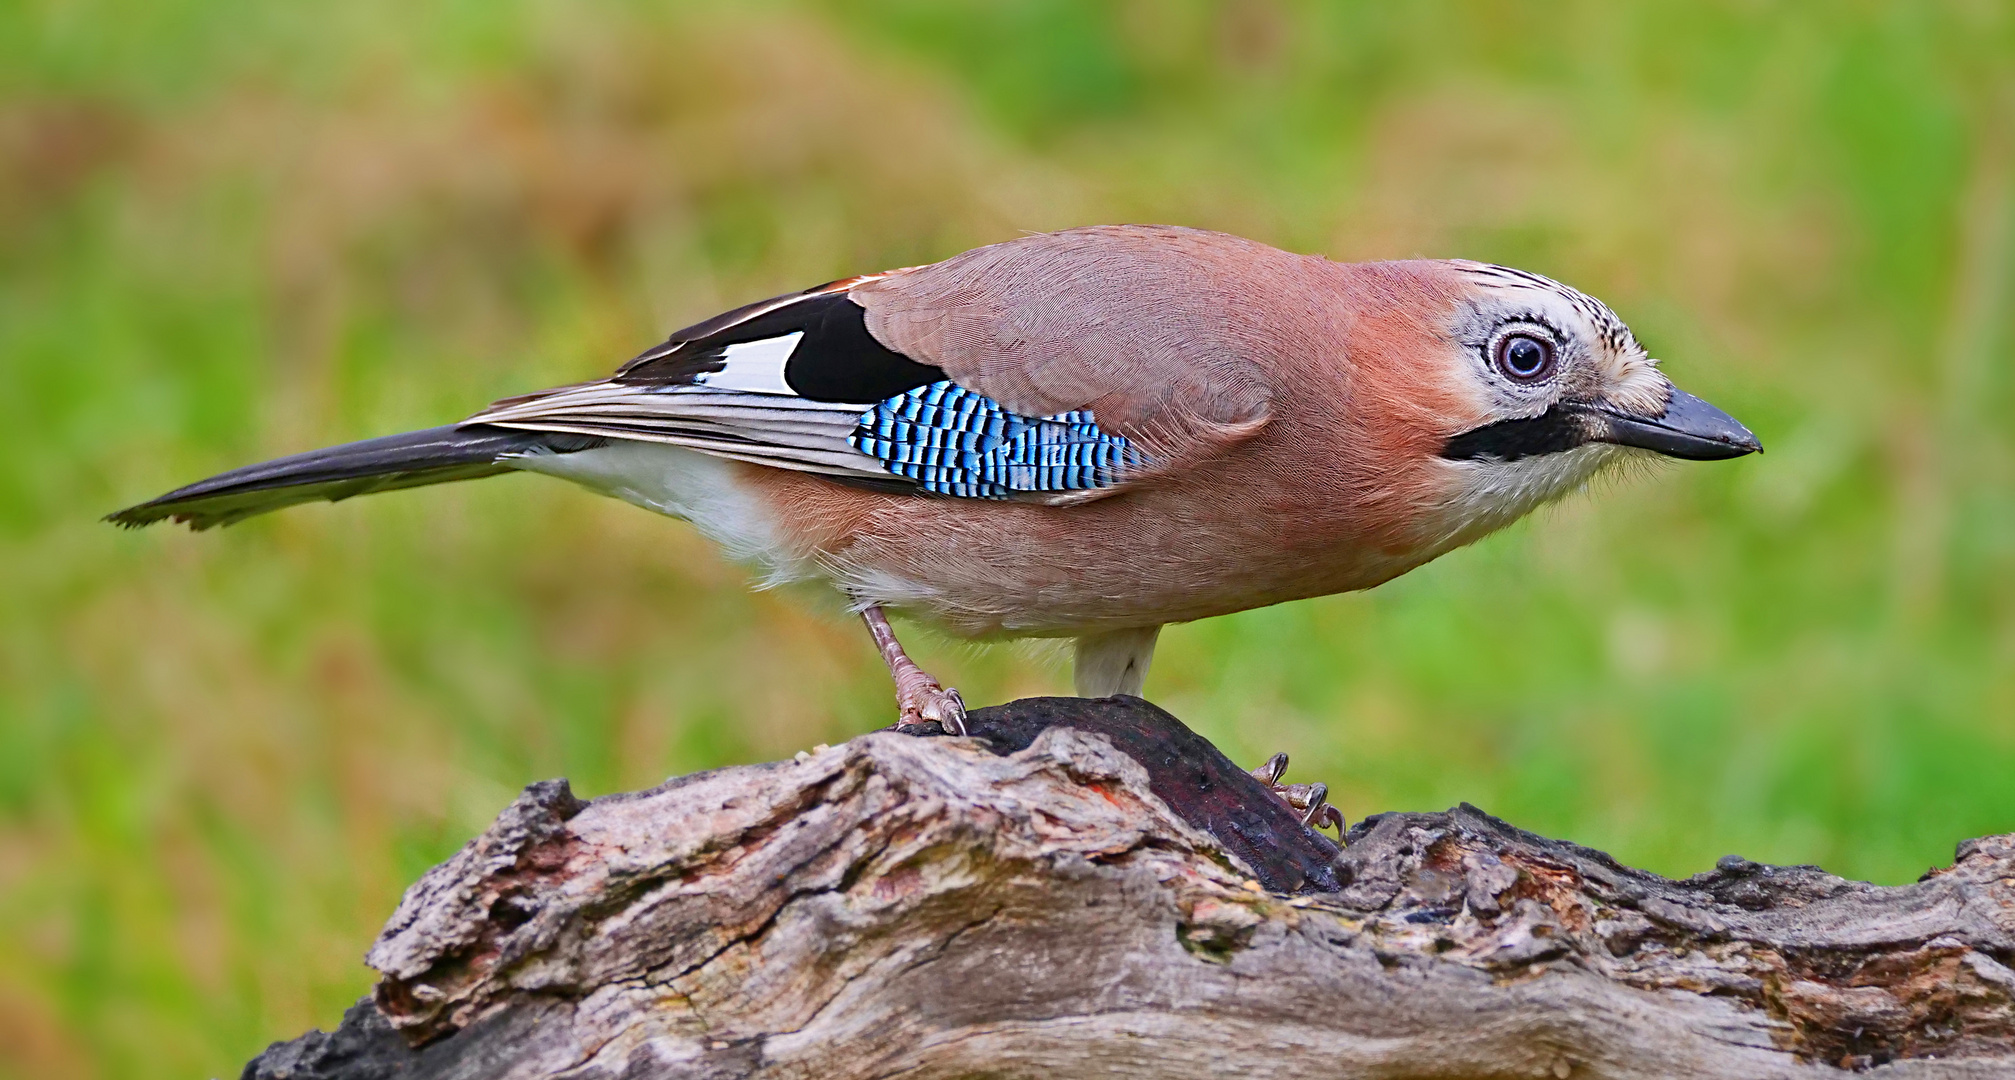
(1312, 800)
(1113, 662)
(918, 696)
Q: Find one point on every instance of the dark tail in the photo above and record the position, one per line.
(416, 458)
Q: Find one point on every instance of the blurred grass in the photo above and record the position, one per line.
(233, 230)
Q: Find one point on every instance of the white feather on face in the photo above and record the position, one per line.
(1594, 360)
(1489, 495)
(1599, 359)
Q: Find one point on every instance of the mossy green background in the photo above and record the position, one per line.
(234, 230)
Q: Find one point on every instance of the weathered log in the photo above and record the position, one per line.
(1090, 889)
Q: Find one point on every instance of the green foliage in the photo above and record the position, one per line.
(229, 231)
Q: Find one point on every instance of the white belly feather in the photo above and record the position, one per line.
(688, 484)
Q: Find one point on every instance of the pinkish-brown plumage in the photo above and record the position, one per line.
(1271, 484)
(1147, 425)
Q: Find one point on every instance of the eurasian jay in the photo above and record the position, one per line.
(1085, 434)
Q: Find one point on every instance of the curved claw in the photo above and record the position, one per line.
(919, 704)
(947, 708)
(1271, 772)
(1312, 800)
(919, 698)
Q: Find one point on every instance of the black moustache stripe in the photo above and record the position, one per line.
(1560, 427)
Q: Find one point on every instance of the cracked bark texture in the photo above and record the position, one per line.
(1089, 889)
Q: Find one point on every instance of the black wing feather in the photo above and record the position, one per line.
(411, 459)
(836, 361)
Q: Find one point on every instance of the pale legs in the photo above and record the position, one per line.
(1114, 661)
(918, 696)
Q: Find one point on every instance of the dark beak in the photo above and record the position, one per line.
(1689, 428)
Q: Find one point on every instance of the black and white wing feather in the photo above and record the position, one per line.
(796, 382)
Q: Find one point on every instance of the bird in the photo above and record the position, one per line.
(1085, 434)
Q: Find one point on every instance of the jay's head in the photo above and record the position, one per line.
(1548, 386)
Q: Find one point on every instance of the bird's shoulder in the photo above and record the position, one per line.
(1151, 326)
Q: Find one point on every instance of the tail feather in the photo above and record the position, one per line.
(413, 459)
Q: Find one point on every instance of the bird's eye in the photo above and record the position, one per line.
(1524, 358)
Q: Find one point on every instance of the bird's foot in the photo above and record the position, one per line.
(925, 702)
(1311, 801)
(920, 699)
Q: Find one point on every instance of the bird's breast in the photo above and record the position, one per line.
(1160, 553)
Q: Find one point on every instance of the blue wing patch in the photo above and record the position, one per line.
(952, 441)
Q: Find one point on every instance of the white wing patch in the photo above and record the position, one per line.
(754, 367)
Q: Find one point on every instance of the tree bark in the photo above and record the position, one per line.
(1087, 888)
